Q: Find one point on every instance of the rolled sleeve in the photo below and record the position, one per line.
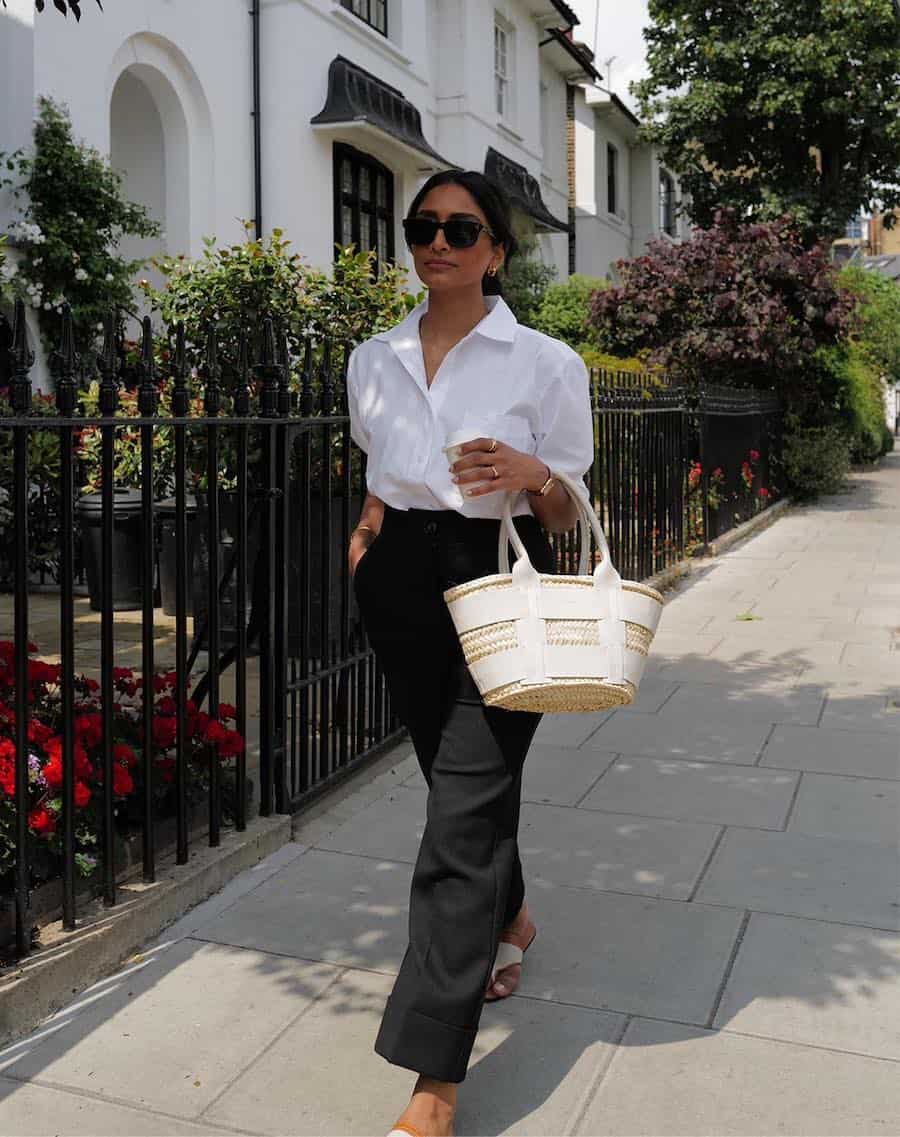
(357, 430)
(566, 442)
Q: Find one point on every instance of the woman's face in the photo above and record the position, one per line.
(440, 266)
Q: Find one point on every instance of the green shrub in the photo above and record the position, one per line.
(852, 395)
(816, 459)
(887, 439)
(525, 283)
(565, 310)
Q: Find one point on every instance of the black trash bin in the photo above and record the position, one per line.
(167, 561)
(126, 548)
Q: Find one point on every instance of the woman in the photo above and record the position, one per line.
(458, 362)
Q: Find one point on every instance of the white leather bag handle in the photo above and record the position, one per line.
(587, 520)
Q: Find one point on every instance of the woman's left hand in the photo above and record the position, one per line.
(514, 470)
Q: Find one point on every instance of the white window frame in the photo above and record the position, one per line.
(613, 179)
(504, 75)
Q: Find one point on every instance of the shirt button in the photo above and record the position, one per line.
(431, 528)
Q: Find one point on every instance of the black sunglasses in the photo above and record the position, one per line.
(459, 232)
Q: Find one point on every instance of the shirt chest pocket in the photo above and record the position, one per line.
(515, 431)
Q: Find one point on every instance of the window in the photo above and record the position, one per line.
(363, 202)
(612, 178)
(667, 203)
(855, 229)
(502, 66)
(372, 12)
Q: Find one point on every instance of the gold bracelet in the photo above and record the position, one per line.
(368, 529)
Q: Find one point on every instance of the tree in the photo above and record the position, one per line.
(74, 216)
(64, 6)
(777, 106)
(742, 305)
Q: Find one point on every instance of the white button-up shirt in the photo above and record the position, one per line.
(502, 381)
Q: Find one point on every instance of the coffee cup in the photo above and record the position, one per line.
(453, 449)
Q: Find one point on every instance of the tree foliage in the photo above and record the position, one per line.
(64, 6)
(777, 106)
(743, 305)
(74, 216)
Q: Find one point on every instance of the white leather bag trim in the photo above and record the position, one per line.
(640, 609)
(561, 663)
(556, 602)
(487, 606)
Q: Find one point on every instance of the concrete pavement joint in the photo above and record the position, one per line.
(729, 967)
(717, 841)
(792, 803)
(615, 758)
(602, 1069)
(251, 1062)
(123, 1103)
(798, 916)
(765, 744)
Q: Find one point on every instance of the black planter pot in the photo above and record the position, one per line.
(126, 548)
(167, 562)
(198, 548)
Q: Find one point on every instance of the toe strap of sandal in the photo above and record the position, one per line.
(507, 954)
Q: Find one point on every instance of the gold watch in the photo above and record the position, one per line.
(546, 487)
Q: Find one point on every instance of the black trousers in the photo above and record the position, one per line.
(467, 882)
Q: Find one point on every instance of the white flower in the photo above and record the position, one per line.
(35, 303)
(109, 276)
(100, 326)
(47, 305)
(80, 274)
(37, 260)
(8, 271)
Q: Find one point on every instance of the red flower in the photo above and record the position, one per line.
(7, 749)
(227, 711)
(124, 754)
(38, 732)
(82, 794)
(89, 728)
(232, 744)
(42, 821)
(754, 455)
(763, 492)
(53, 772)
(123, 783)
(40, 672)
(92, 684)
(216, 732)
(165, 705)
(164, 731)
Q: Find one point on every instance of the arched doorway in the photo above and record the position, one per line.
(148, 146)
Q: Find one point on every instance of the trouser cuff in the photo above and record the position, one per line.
(436, 1049)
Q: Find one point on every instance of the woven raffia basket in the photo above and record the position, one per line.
(539, 642)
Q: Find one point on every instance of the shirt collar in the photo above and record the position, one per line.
(498, 324)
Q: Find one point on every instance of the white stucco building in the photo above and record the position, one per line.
(323, 117)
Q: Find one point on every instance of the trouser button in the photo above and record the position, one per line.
(431, 528)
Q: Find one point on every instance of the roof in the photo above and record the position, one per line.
(357, 96)
(578, 54)
(522, 189)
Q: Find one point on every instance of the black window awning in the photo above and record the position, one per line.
(358, 98)
(522, 189)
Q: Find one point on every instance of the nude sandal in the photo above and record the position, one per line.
(507, 954)
(402, 1129)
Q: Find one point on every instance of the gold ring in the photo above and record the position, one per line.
(496, 475)
(493, 446)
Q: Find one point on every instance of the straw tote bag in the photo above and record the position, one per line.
(538, 642)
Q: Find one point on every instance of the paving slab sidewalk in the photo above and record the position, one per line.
(714, 873)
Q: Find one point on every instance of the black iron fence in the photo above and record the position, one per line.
(249, 487)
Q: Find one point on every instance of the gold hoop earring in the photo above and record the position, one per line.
(492, 271)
